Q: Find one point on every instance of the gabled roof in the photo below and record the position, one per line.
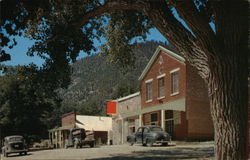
(157, 51)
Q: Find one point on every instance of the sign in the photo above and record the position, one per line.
(111, 107)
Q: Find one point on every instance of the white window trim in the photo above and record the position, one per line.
(160, 76)
(174, 70)
(149, 80)
(175, 93)
(150, 100)
(160, 97)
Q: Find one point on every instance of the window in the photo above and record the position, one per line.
(175, 83)
(149, 91)
(154, 119)
(169, 122)
(161, 91)
(139, 130)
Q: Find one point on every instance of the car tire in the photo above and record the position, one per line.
(165, 144)
(20, 153)
(75, 145)
(25, 153)
(149, 143)
(131, 143)
(92, 144)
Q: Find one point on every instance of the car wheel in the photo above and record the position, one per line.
(20, 153)
(149, 143)
(75, 145)
(131, 143)
(164, 144)
(25, 153)
(92, 144)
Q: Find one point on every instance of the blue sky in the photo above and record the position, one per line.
(19, 57)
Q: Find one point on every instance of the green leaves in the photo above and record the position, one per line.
(26, 96)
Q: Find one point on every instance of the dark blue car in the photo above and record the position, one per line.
(149, 135)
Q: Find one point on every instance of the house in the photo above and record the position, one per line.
(101, 126)
(174, 97)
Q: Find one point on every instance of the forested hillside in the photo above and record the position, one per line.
(94, 81)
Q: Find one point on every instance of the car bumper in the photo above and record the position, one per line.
(17, 151)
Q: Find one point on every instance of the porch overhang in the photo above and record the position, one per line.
(177, 105)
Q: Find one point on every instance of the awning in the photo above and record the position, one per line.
(176, 105)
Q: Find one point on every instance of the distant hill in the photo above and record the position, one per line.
(94, 81)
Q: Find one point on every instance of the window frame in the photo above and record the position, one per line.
(161, 88)
(174, 84)
(149, 92)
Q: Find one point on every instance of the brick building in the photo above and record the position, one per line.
(174, 97)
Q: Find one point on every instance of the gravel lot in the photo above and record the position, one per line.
(187, 151)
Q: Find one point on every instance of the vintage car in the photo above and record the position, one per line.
(149, 135)
(78, 137)
(14, 144)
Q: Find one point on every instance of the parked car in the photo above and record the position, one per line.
(148, 135)
(79, 137)
(14, 144)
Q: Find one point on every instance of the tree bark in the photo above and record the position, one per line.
(228, 92)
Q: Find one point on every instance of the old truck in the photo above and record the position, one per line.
(78, 137)
(14, 144)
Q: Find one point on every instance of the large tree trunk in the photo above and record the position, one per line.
(228, 92)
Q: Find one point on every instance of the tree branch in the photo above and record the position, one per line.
(198, 23)
(163, 19)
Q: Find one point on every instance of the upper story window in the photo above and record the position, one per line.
(175, 81)
(149, 91)
(161, 84)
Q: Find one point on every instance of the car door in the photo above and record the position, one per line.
(145, 134)
(138, 135)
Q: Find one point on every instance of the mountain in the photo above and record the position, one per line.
(94, 81)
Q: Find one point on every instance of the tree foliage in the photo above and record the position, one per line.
(27, 99)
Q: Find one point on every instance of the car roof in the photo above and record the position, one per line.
(150, 126)
(8, 137)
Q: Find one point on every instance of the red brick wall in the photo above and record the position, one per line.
(68, 119)
(200, 123)
(180, 130)
(169, 63)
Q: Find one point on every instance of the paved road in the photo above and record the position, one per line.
(200, 151)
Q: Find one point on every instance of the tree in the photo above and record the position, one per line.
(26, 102)
(63, 28)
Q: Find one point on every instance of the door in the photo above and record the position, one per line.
(138, 135)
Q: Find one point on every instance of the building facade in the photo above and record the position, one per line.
(126, 120)
(101, 126)
(174, 97)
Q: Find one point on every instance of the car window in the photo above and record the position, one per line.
(139, 130)
(146, 130)
(156, 129)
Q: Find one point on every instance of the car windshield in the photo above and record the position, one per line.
(14, 139)
(156, 129)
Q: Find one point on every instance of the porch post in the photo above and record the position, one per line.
(163, 119)
(140, 120)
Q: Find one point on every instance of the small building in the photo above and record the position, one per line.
(126, 120)
(101, 126)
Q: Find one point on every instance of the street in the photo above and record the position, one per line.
(190, 151)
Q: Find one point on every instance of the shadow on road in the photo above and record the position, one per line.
(168, 154)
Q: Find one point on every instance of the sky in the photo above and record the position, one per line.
(19, 57)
